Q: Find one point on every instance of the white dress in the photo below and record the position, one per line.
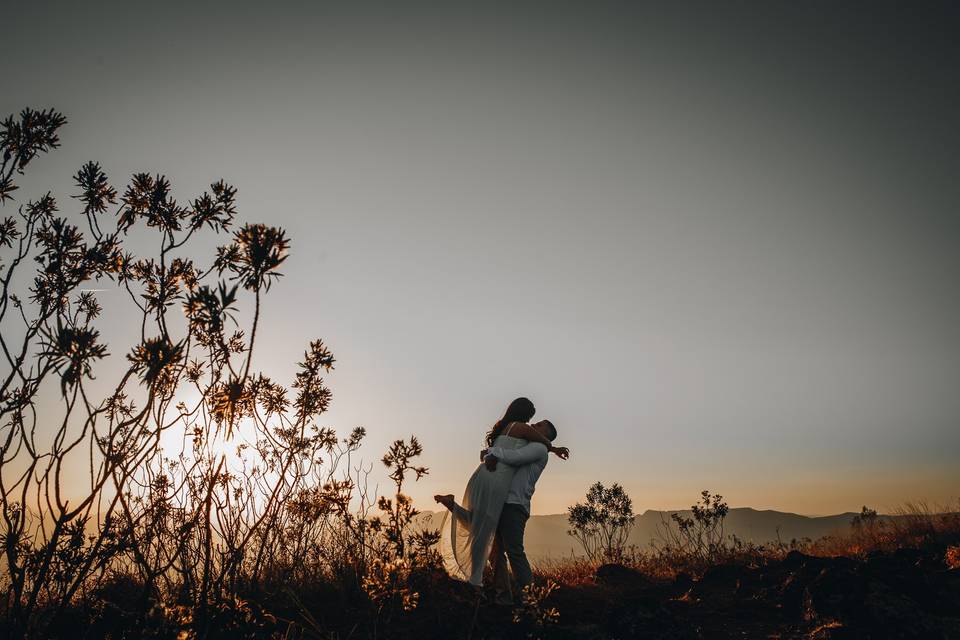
(474, 522)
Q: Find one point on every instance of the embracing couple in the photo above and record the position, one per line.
(490, 521)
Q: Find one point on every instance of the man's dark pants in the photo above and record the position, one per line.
(513, 522)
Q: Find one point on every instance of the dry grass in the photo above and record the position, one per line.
(913, 526)
(952, 557)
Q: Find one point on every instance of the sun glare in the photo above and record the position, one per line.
(195, 433)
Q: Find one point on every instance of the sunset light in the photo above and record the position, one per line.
(405, 320)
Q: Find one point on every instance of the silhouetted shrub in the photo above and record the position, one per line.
(206, 480)
(697, 539)
(534, 614)
(602, 523)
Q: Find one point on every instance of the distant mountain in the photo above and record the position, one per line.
(547, 535)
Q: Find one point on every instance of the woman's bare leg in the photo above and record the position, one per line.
(458, 512)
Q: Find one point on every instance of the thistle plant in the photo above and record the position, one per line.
(534, 613)
(195, 461)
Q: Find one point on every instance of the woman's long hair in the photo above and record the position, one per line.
(520, 410)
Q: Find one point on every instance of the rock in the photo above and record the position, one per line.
(837, 592)
(644, 618)
(682, 583)
(617, 575)
(725, 575)
(834, 631)
(895, 614)
(795, 559)
(901, 572)
(729, 578)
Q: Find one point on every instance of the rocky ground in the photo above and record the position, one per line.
(904, 594)
(908, 593)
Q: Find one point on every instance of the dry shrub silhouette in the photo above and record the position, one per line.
(152, 503)
(534, 614)
(686, 543)
(602, 524)
(697, 539)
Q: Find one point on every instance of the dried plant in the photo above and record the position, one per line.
(697, 539)
(602, 524)
(534, 613)
(203, 479)
(952, 557)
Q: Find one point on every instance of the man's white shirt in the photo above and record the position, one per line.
(530, 461)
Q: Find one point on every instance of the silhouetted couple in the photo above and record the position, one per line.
(490, 521)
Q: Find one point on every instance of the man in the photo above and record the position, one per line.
(530, 461)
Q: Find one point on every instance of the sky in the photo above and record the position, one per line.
(716, 244)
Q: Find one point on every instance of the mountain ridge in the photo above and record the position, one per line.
(547, 537)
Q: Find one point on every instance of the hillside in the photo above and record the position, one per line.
(546, 535)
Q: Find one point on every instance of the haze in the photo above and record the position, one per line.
(715, 244)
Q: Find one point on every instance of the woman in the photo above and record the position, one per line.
(474, 523)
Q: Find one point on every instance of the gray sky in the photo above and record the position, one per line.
(716, 244)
